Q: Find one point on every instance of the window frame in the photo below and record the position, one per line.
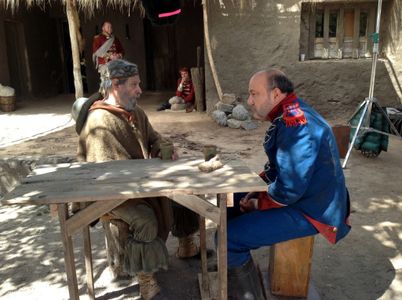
(327, 52)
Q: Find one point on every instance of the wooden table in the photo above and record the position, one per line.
(109, 184)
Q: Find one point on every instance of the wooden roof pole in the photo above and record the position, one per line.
(71, 10)
(209, 50)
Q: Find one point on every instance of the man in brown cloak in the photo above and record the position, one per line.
(114, 127)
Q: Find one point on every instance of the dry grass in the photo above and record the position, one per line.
(87, 6)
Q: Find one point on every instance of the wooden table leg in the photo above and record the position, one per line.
(222, 248)
(88, 262)
(204, 261)
(68, 253)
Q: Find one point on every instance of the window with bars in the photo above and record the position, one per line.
(337, 30)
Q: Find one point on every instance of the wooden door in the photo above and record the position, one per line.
(17, 57)
(160, 45)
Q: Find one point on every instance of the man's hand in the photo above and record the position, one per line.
(249, 203)
(180, 87)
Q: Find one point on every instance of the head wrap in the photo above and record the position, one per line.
(115, 69)
(120, 68)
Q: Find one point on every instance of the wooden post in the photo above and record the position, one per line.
(209, 50)
(88, 262)
(356, 38)
(71, 10)
(326, 33)
(311, 34)
(222, 249)
(204, 262)
(88, 258)
(198, 83)
(68, 253)
(340, 33)
(289, 267)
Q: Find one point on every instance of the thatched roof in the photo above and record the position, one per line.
(87, 6)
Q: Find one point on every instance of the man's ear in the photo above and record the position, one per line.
(278, 95)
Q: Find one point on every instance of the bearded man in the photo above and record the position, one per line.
(116, 128)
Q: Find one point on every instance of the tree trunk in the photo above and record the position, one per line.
(71, 11)
(80, 38)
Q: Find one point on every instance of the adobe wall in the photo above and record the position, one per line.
(267, 35)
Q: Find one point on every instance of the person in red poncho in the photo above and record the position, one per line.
(184, 93)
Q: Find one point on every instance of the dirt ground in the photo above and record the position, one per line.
(367, 264)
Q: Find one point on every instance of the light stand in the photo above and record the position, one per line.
(368, 103)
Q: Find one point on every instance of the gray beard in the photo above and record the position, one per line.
(130, 106)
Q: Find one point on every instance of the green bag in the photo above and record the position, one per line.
(371, 141)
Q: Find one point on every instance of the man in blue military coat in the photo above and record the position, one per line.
(306, 191)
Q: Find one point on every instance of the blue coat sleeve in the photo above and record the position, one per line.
(295, 161)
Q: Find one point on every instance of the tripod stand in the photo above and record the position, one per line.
(370, 101)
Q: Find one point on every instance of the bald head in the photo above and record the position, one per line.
(267, 89)
(275, 78)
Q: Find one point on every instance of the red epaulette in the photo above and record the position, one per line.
(293, 115)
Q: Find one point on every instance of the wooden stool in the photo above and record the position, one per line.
(289, 267)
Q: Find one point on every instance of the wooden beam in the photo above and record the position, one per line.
(68, 253)
(340, 31)
(356, 42)
(311, 41)
(198, 205)
(222, 248)
(209, 50)
(204, 262)
(197, 77)
(89, 214)
(326, 32)
(71, 10)
(88, 262)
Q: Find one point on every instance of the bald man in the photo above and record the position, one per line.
(306, 191)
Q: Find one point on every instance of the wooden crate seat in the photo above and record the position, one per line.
(289, 267)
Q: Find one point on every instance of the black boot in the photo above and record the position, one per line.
(244, 283)
(164, 106)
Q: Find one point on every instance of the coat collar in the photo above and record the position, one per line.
(293, 115)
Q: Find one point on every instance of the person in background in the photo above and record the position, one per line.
(184, 93)
(105, 47)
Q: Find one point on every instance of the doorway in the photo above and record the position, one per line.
(67, 60)
(170, 47)
(17, 58)
(161, 54)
